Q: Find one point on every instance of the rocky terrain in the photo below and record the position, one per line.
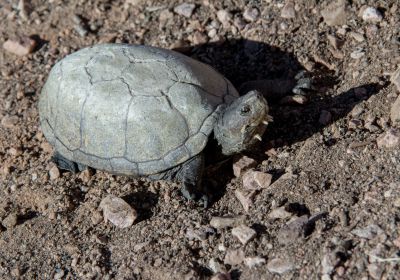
(318, 198)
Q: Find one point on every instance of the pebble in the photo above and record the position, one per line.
(96, 217)
(54, 173)
(224, 17)
(256, 180)
(117, 211)
(279, 266)
(221, 276)
(325, 117)
(242, 164)
(279, 213)
(60, 274)
(224, 222)
(293, 231)
(254, 261)
(294, 99)
(371, 14)
(245, 198)
(395, 111)
(335, 13)
(199, 38)
(357, 54)
(357, 36)
(288, 10)
(251, 14)
(395, 78)
(389, 139)
(196, 234)
(20, 47)
(185, 9)
(216, 266)
(375, 270)
(234, 257)
(368, 232)
(328, 263)
(334, 41)
(354, 124)
(9, 121)
(244, 233)
(10, 221)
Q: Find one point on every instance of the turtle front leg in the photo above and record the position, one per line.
(190, 174)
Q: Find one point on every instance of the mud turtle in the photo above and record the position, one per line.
(144, 111)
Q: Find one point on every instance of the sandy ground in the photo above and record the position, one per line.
(333, 209)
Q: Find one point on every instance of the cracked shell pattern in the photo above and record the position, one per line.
(133, 110)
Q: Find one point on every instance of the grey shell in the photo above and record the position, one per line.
(134, 110)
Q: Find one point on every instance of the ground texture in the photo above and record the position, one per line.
(333, 208)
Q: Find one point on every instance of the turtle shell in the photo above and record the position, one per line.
(134, 110)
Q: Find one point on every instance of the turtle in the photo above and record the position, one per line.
(139, 110)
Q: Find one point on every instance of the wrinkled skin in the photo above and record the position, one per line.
(242, 123)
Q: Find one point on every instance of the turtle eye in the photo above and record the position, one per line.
(245, 110)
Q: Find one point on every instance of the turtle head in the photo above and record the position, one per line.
(242, 123)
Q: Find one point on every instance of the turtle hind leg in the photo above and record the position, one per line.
(66, 164)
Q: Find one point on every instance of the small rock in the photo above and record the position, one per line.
(357, 54)
(368, 232)
(224, 17)
(244, 233)
(355, 123)
(395, 111)
(254, 261)
(293, 231)
(325, 117)
(375, 270)
(251, 14)
(46, 147)
(335, 13)
(294, 99)
(245, 198)
(9, 121)
(329, 261)
(10, 221)
(221, 276)
(96, 217)
(371, 14)
(256, 180)
(288, 10)
(334, 41)
(389, 139)
(224, 222)
(242, 165)
(85, 175)
(279, 266)
(117, 211)
(357, 36)
(60, 274)
(54, 173)
(185, 9)
(196, 234)
(395, 78)
(199, 38)
(20, 47)
(234, 257)
(279, 213)
(216, 266)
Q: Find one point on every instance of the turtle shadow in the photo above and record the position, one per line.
(244, 60)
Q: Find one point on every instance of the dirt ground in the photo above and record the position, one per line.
(333, 209)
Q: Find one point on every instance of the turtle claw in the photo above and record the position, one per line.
(303, 84)
(190, 194)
